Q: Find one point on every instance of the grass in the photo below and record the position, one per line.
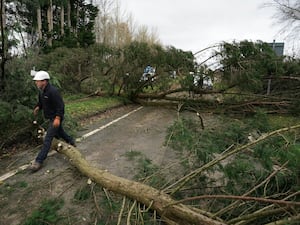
(90, 106)
(47, 213)
(7, 189)
(131, 155)
(83, 193)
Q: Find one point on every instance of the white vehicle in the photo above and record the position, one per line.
(148, 72)
(207, 83)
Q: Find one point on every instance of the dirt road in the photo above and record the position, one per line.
(142, 130)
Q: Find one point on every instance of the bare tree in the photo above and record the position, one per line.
(103, 20)
(144, 35)
(116, 27)
(288, 15)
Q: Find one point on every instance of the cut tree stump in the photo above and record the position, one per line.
(172, 213)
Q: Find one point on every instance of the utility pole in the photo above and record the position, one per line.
(269, 81)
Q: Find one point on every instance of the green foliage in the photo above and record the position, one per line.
(279, 150)
(295, 107)
(109, 206)
(246, 63)
(146, 170)
(187, 135)
(19, 98)
(19, 88)
(182, 134)
(81, 30)
(241, 172)
(5, 114)
(260, 121)
(138, 55)
(179, 60)
(22, 184)
(46, 214)
(67, 65)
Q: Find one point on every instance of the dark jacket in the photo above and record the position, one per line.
(51, 102)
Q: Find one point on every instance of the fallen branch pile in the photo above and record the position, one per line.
(171, 211)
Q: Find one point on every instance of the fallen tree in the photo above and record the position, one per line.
(171, 213)
(217, 101)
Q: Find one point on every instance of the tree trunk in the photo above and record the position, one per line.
(3, 52)
(39, 23)
(50, 23)
(62, 20)
(172, 213)
(77, 19)
(69, 15)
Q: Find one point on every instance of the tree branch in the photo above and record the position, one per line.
(181, 182)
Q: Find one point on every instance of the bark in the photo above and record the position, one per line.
(77, 19)
(69, 15)
(271, 104)
(39, 22)
(3, 50)
(50, 23)
(62, 20)
(171, 212)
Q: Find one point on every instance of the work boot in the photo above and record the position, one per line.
(35, 166)
(73, 144)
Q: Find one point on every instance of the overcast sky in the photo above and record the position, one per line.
(192, 25)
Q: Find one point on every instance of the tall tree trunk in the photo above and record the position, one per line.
(39, 23)
(62, 20)
(69, 15)
(50, 23)
(172, 213)
(3, 52)
(77, 18)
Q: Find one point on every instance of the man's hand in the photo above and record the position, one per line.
(56, 122)
(36, 110)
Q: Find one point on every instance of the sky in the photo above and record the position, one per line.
(192, 25)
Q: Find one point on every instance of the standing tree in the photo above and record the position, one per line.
(115, 28)
(8, 26)
(50, 25)
(3, 52)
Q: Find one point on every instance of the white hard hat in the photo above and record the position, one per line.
(41, 75)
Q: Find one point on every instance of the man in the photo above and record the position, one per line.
(51, 102)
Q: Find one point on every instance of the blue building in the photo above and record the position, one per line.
(278, 47)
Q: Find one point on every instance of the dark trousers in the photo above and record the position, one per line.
(52, 132)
